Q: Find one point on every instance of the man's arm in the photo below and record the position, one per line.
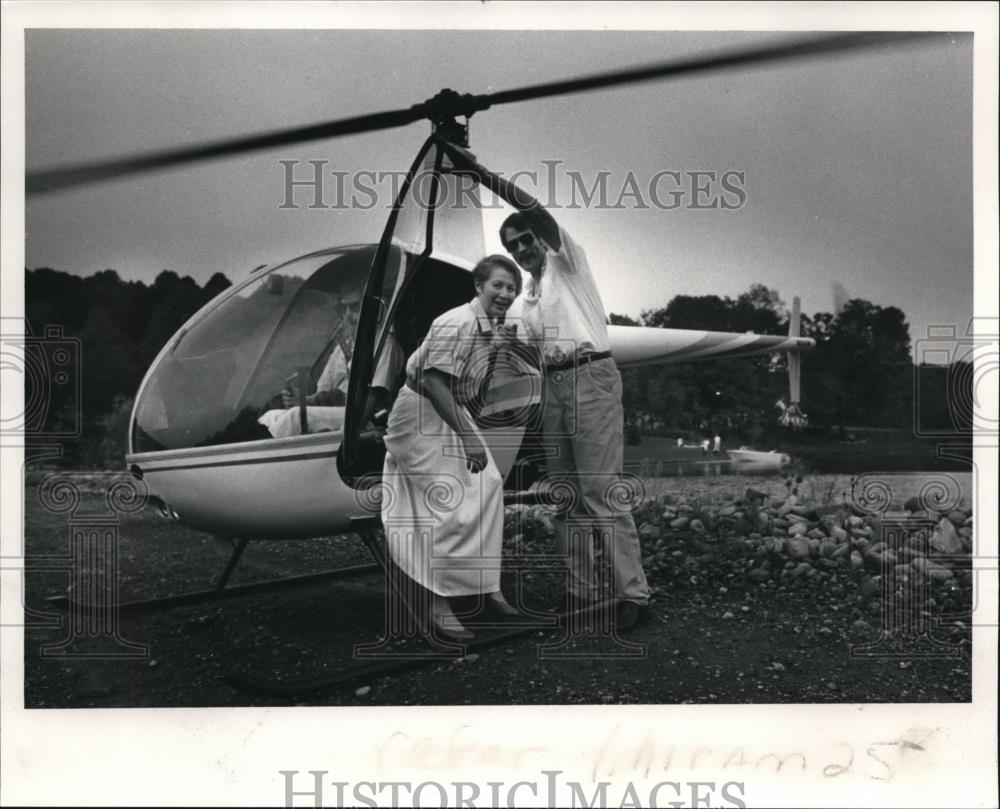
(542, 222)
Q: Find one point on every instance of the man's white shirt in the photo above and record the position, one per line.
(563, 310)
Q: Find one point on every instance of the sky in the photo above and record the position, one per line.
(855, 169)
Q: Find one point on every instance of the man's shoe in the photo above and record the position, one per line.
(629, 615)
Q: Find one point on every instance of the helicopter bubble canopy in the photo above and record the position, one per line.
(228, 366)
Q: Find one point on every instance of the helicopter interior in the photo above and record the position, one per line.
(272, 359)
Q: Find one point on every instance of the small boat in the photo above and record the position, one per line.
(757, 459)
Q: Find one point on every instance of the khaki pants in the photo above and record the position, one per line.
(582, 430)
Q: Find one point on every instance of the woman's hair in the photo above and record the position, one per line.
(482, 271)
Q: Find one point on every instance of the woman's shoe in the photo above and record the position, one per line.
(444, 624)
(451, 629)
(498, 606)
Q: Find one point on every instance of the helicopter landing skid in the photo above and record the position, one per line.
(414, 613)
(221, 591)
(357, 674)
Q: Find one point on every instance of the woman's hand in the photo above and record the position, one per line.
(438, 386)
(475, 453)
(504, 334)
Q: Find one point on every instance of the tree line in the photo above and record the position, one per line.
(861, 373)
(121, 327)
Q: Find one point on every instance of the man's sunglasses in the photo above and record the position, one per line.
(524, 240)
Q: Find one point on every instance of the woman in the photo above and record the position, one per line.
(443, 498)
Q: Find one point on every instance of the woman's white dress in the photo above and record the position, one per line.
(444, 524)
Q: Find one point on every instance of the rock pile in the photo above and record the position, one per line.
(777, 541)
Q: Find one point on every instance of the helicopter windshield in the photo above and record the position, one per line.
(270, 360)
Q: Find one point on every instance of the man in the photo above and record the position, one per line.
(582, 420)
(332, 384)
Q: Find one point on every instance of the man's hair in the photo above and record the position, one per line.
(484, 269)
(516, 221)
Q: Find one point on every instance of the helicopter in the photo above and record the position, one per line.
(212, 437)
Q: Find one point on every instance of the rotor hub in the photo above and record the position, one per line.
(443, 109)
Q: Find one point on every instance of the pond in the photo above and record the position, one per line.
(868, 460)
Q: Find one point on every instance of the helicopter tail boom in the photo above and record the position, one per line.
(633, 346)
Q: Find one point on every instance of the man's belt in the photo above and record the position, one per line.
(577, 360)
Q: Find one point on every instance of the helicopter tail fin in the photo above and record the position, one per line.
(793, 416)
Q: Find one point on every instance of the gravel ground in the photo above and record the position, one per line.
(746, 609)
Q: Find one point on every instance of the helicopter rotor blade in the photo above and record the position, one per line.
(737, 58)
(38, 182)
(450, 104)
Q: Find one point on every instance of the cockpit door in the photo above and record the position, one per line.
(435, 228)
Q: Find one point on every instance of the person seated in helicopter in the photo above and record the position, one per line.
(331, 386)
(290, 413)
(443, 511)
(325, 408)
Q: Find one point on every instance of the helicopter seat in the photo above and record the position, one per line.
(282, 423)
